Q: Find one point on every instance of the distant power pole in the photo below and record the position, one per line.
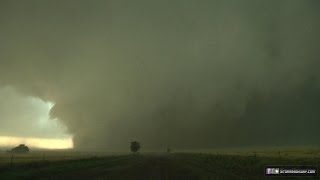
(279, 154)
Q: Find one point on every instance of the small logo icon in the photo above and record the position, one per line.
(272, 171)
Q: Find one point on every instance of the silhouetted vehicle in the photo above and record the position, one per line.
(135, 146)
(19, 149)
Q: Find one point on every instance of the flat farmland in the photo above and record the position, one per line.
(214, 165)
(48, 156)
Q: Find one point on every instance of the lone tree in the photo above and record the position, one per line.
(19, 149)
(135, 146)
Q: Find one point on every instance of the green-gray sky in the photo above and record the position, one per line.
(179, 73)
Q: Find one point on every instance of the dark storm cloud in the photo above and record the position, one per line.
(188, 74)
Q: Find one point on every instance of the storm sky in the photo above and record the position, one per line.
(185, 73)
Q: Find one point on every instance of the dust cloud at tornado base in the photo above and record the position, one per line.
(185, 74)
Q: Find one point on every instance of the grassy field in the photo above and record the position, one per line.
(38, 156)
(214, 165)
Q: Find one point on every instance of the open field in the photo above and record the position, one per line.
(37, 156)
(217, 165)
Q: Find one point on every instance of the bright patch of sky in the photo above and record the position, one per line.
(26, 119)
